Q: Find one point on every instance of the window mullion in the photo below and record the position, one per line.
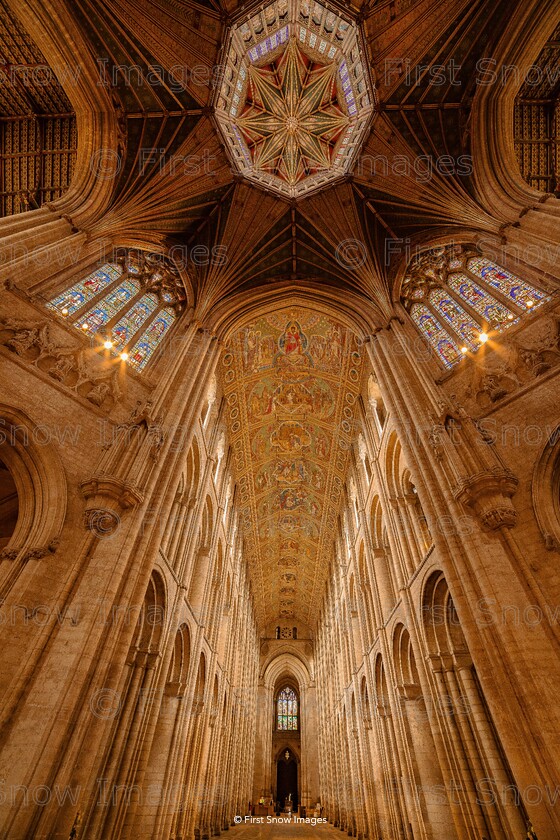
(92, 302)
(476, 316)
(142, 329)
(112, 322)
(446, 325)
(513, 307)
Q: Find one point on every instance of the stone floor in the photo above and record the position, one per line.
(276, 828)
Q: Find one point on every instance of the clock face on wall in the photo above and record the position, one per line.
(296, 99)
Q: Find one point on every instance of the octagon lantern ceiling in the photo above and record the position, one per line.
(296, 99)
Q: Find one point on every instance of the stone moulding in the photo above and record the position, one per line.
(105, 486)
(32, 342)
(545, 489)
(489, 494)
(107, 498)
(41, 486)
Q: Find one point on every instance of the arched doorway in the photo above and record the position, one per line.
(287, 778)
(9, 505)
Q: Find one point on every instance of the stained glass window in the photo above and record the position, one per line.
(287, 710)
(110, 302)
(109, 306)
(80, 293)
(465, 326)
(148, 342)
(453, 297)
(130, 323)
(521, 293)
(440, 340)
(494, 313)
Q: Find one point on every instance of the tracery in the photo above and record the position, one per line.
(457, 299)
(130, 304)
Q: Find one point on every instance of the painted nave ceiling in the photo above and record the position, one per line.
(246, 139)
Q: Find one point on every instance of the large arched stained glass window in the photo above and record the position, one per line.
(130, 304)
(287, 710)
(456, 300)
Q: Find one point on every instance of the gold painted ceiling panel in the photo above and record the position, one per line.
(291, 382)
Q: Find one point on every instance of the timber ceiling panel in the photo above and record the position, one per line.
(291, 381)
(38, 137)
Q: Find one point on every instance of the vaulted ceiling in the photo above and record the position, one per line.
(290, 378)
(291, 382)
(162, 60)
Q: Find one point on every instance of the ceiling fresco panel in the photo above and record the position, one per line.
(291, 381)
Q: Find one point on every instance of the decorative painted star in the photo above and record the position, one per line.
(292, 119)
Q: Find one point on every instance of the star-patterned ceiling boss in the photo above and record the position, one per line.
(296, 99)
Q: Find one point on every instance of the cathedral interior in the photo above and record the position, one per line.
(279, 424)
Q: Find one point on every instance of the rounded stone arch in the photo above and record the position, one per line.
(180, 660)
(440, 622)
(285, 669)
(403, 657)
(344, 306)
(40, 481)
(406, 484)
(285, 659)
(497, 177)
(545, 492)
(152, 616)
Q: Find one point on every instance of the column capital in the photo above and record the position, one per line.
(409, 691)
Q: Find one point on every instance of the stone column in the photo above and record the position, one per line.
(476, 575)
(437, 817)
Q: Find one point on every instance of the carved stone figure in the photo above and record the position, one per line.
(98, 393)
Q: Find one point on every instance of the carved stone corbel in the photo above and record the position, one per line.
(102, 522)
(125, 495)
(489, 494)
(107, 498)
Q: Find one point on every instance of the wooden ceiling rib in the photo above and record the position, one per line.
(177, 189)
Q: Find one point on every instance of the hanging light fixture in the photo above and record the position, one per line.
(287, 755)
